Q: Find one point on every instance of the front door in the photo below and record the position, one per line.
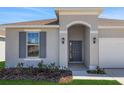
(75, 51)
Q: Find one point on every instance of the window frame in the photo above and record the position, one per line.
(27, 44)
(2, 39)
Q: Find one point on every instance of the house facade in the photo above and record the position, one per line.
(76, 36)
(2, 44)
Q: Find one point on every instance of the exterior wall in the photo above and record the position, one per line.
(76, 32)
(111, 33)
(86, 20)
(2, 50)
(94, 50)
(65, 20)
(63, 49)
(87, 46)
(2, 44)
(111, 48)
(12, 48)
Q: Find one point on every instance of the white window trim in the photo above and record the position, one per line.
(32, 44)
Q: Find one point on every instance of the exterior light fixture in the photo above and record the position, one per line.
(63, 40)
(94, 40)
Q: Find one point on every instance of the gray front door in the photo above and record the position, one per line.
(75, 51)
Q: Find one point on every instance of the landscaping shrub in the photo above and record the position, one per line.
(43, 72)
(40, 65)
(97, 71)
(2, 65)
(20, 65)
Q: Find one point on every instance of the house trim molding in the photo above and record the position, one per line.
(111, 27)
(61, 31)
(78, 22)
(2, 36)
(94, 32)
(79, 13)
(30, 26)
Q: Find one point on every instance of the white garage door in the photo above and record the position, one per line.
(111, 52)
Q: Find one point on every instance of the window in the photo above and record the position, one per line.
(32, 44)
(2, 39)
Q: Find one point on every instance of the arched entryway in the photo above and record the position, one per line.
(78, 44)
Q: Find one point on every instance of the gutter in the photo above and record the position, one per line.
(111, 27)
(29, 26)
(2, 36)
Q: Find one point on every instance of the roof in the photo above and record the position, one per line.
(101, 22)
(37, 22)
(110, 22)
(49, 23)
(54, 23)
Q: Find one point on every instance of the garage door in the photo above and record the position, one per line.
(111, 52)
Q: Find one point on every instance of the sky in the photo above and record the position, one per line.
(20, 14)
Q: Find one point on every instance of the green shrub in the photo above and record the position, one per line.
(20, 65)
(41, 65)
(97, 71)
(2, 65)
(50, 67)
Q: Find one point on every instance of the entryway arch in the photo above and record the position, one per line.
(78, 43)
(78, 22)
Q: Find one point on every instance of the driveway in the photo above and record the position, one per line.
(111, 74)
(117, 74)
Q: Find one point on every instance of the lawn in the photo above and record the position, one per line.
(74, 82)
(2, 64)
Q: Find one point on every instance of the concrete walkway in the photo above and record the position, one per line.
(85, 75)
(117, 74)
(80, 72)
(111, 74)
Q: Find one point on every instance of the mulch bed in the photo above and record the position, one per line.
(61, 76)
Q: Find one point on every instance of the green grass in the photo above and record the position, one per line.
(74, 82)
(2, 64)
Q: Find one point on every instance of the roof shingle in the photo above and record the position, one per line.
(37, 22)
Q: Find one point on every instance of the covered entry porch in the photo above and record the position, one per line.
(83, 50)
(77, 67)
(78, 46)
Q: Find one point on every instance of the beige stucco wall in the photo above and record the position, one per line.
(111, 33)
(2, 45)
(65, 20)
(87, 46)
(12, 48)
(2, 50)
(76, 33)
(63, 49)
(94, 50)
